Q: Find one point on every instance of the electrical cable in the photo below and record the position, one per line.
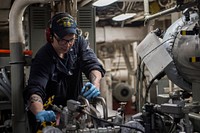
(163, 124)
(158, 76)
(5, 92)
(171, 129)
(170, 117)
(105, 121)
(5, 86)
(123, 6)
(4, 80)
(3, 70)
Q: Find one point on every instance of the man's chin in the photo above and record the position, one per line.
(65, 51)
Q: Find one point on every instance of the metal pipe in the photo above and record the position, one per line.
(75, 9)
(147, 17)
(127, 60)
(86, 102)
(103, 103)
(17, 62)
(195, 119)
(121, 75)
(146, 7)
(171, 10)
(84, 2)
(159, 14)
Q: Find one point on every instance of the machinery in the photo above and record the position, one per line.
(82, 117)
(174, 53)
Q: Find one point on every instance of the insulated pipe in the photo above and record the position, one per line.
(169, 39)
(121, 75)
(17, 40)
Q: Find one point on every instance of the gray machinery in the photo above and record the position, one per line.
(179, 59)
(82, 117)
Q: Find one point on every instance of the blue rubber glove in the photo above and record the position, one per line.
(90, 91)
(44, 115)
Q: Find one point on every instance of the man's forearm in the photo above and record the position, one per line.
(95, 78)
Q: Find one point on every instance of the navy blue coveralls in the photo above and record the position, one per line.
(51, 75)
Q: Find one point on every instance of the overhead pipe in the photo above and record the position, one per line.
(146, 7)
(75, 9)
(121, 75)
(148, 17)
(85, 2)
(17, 40)
(177, 8)
(159, 14)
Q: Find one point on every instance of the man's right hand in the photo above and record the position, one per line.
(44, 115)
(90, 91)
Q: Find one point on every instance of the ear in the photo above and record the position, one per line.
(49, 35)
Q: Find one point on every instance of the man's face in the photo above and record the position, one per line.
(63, 45)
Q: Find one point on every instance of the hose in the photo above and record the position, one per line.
(5, 92)
(5, 86)
(105, 121)
(3, 70)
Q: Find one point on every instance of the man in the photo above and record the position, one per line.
(57, 69)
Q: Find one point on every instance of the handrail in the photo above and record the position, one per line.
(6, 51)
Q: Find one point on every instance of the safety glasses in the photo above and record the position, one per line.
(64, 41)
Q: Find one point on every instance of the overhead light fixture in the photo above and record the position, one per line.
(100, 3)
(124, 16)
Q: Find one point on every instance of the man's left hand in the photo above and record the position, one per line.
(90, 91)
